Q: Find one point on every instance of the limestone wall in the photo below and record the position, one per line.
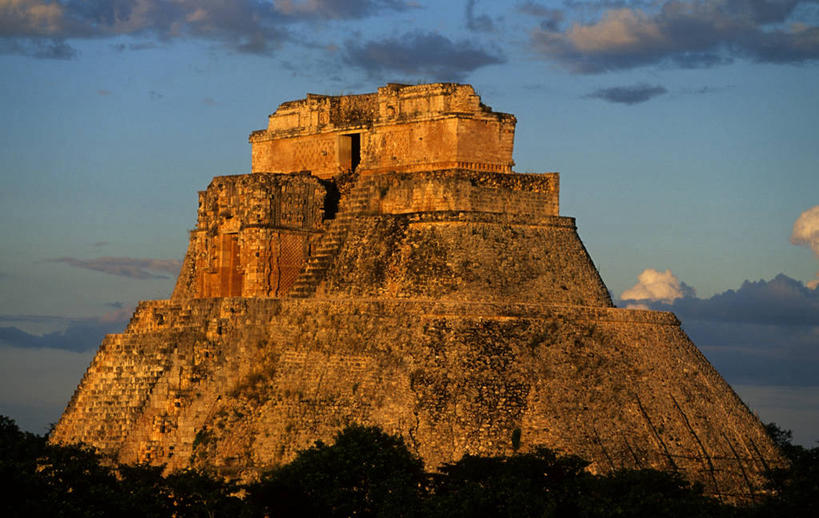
(253, 235)
(399, 128)
(454, 141)
(522, 198)
(462, 256)
(255, 232)
(320, 154)
(240, 384)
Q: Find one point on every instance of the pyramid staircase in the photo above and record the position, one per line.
(353, 205)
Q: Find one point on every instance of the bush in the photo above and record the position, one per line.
(530, 484)
(647, 492)
(795, 488)
(364, 473)
(369, 473)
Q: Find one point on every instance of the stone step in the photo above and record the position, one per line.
(319, 256)
(351, 206)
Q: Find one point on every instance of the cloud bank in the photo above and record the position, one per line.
(43, 28)
(780, 301)
(687, 34)
(764, 333)
(133, 268)
(628, 94)
(420, 53)
(39, 28)
(477, 22)
(80, 335)
(337, 9)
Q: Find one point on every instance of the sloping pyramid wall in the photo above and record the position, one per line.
(453, 326)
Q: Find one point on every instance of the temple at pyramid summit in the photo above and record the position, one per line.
(383, 264)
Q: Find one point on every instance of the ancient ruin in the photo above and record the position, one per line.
(384, 265)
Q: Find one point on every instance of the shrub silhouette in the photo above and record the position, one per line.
(540, 483)
(365, 472)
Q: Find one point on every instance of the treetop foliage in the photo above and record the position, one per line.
(367, 473)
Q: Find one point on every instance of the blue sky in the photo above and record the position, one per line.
(685, 134)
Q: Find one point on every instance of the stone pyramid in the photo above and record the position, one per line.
(383, 264)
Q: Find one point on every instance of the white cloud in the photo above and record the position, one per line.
(686, 33)
(782, 301)
(654, 285)
(806, 230)
(619, 29)
(644, 307)
(763, 333)
(806, 233)
(30, 17)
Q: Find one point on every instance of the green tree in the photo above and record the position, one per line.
(19, 452)
(75, 483)
(647, 492)
(795, 487)
(46, 480)
(365, 472)
(197, 494)
(540, 483)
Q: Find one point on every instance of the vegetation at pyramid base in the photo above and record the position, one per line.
(366, 472)
(67, 481)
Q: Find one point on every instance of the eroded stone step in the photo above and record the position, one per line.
(353, 205)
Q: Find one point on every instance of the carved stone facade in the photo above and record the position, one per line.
(399, 128)
(253, 235)
(427, 290)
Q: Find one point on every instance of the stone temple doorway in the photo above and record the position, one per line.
(349, 151)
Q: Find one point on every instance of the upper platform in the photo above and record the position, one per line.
(401, 128)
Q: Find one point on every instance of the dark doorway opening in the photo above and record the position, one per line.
(349, 151)
(355, 151)
(331, 198)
